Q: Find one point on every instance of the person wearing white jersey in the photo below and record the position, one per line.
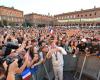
(56, 53)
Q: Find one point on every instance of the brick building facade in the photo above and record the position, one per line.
(39, 19)
(89, 17)
(11, 16)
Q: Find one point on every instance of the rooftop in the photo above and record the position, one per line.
(10, 8)
(81, 11)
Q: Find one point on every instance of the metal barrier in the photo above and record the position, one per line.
(82, 64)
(92, 67)
(89, 66)
(45, 71)
(98, 76)
(70, 62)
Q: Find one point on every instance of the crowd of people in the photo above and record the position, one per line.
(24, 48)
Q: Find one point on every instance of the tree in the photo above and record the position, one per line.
(11, 24)
(5, 22)
(1, 24)
(29, 24)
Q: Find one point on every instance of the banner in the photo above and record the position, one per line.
(80, 20)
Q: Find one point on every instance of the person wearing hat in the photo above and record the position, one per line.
(82, 45)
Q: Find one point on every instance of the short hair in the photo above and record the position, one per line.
(42, 47)
(33, 40)
(95, 40)
(50, 41)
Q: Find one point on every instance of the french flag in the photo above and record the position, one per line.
(26, 74)
(51, 31)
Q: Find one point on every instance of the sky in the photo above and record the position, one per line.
(50, 6)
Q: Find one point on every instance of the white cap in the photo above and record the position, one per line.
(83, 40)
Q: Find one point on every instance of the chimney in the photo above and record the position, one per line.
(94, 7)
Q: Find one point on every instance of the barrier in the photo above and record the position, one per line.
(87, 65)
(40, 73)
(80, 66)
(70, 62)
(45, 71)
(90, 67)
(98, 76)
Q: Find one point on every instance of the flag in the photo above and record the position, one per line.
(51, 31)
(34, 69)
(26, 74)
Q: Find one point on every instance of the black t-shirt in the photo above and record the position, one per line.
(82, 47)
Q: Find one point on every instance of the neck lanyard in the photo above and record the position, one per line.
(56, 55)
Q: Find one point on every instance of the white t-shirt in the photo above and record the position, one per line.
(57, 59)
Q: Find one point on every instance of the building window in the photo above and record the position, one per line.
(85, 15)
(88, 24)
(77, 15)
(67, 16)
(95, 13)
(81, 15)
(91, 24)
(71, 16)
(90, 14)
(74, 16)
(84, 24)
